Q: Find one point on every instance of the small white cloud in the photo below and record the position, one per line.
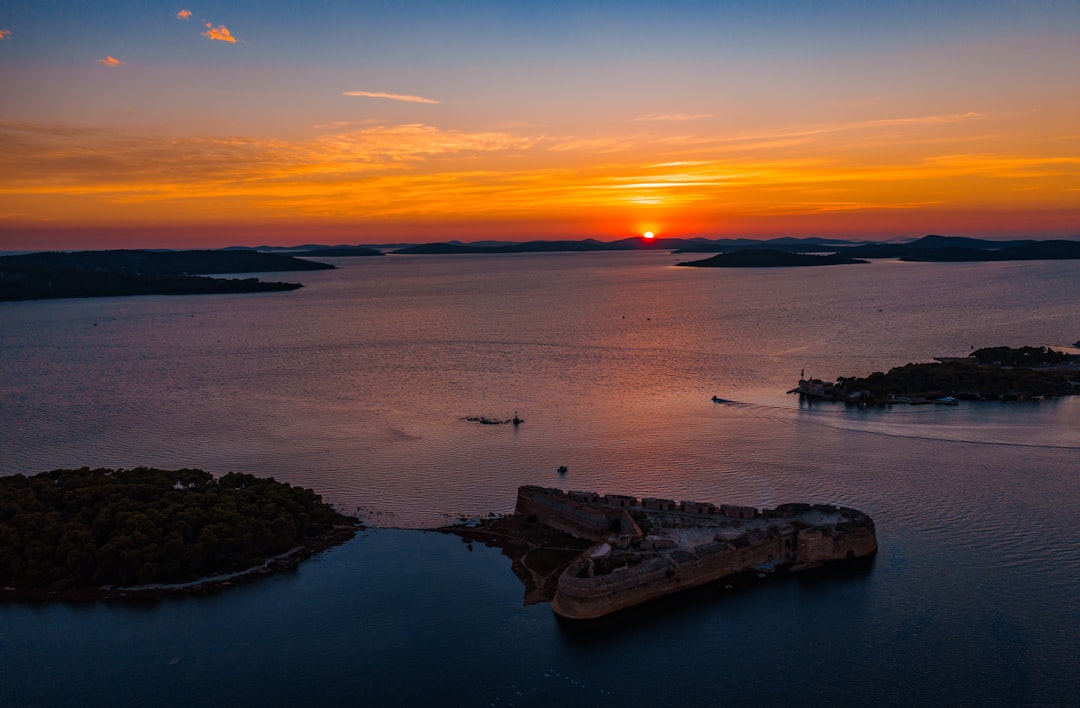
(183, 15)
(4, 34)
(391, 96)
(110, 61)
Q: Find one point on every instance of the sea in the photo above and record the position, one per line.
(361, 384)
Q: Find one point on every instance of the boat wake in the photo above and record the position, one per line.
(1001, 424)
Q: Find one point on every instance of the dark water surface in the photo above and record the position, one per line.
(358, 386)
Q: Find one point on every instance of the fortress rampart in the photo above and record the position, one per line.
(685, 544)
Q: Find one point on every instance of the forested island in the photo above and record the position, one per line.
(991, 373)
(35, 276)
(769, 258)
(91, 533)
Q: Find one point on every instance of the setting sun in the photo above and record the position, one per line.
(648, 234)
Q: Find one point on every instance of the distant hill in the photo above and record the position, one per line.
(528, 247)
(627, 244)
(30, 281)
(925, 244)
(34, 276)
(808, 245)
(769, 258)
(339, 251)
(787, 244)
(167, 262)
(636, 243)
(1028, 251)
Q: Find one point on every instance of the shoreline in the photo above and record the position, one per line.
(338, 535)
(538, 554)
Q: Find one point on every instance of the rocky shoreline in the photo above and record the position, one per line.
(340, 534)
(538, 554)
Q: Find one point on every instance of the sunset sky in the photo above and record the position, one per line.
(148, 124)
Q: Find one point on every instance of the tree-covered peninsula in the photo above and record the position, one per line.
(91, 531)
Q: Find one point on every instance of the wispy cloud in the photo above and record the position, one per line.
(596, 145)
(391, 96)
(110, 61)
(423, 171)
(409, 142)
(220, 33)
(673, 117)
(4, 34)
(924, 120)
(102, 160)
(183, 15)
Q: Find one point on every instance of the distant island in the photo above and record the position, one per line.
(1037, 251)
(528, 247)
(991, 373)
(102, 533)
(927, 248)
(768, 258)
(339, 252)
(34, 276)
(592, 555)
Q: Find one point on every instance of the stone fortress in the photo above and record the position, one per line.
(651, 547)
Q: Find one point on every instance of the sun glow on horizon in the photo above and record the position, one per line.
(306, 136)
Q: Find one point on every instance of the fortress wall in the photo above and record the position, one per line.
(700, 508)
(821, 545)
(584, 598)
(814, 546)
(738, 512)
(786, 511)
(587, 515)
(857, 543)
(561, 513)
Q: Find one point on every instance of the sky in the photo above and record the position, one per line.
(204, 124)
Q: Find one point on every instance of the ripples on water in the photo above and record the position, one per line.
(359, 384)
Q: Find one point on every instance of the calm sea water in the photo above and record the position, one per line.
(358, 386)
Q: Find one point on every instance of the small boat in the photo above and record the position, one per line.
(717, 399)
(946, 401)
(563, 469)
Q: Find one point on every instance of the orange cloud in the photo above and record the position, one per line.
(391, 96)
(858, 173)
(183, 15)
(4, 34)
(221, 33)
(110, 61)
